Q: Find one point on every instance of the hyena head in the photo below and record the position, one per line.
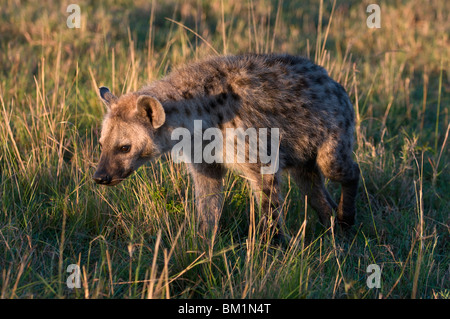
(128, 135)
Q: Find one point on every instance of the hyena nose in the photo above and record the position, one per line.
(100, 178)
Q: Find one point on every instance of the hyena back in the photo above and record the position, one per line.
(313, 113)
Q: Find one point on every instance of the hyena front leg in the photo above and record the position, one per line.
(208, 195)
(310, 182)
(266, 189)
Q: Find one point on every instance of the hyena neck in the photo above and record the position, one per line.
(213, 103)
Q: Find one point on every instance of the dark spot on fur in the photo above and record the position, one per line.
(221, 98)
(234, 95)
(220, 117)
(199, 110)
(171, 97)
(320, 80)
(347, 123)
(288, 100)
(268, 78)
(208, 88)
(267, 190)
(301, 84)
(230, 113)
(251, 66)
(307, 115)
(334, 134)
(187, 95)
(212, 105)
(305, 69)
(270, 62)
(232, 69)
(187, 111)
(221, 73)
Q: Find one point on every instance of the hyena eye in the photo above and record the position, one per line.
(125, 148)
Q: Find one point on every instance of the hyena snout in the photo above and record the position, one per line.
(110, 172)
(101, 177)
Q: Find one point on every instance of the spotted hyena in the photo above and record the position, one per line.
(312, 112)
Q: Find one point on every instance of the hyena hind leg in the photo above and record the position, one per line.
(337, 165)
(311, 183)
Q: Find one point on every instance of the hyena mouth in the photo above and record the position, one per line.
(116, 181)
(108, 181)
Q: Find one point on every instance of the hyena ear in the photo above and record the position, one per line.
(107, 97)
(151, 108)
